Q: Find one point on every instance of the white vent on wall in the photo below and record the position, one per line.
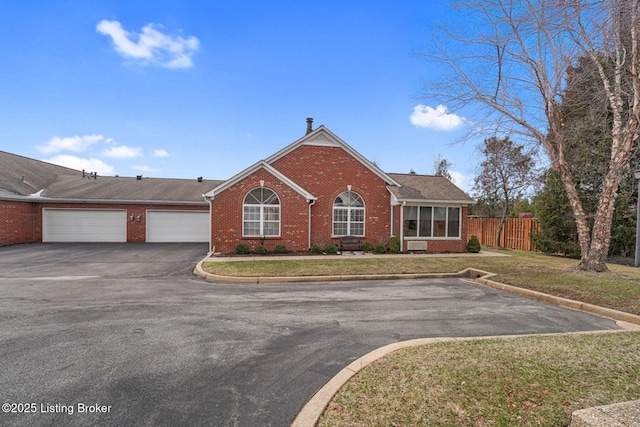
(416, 245)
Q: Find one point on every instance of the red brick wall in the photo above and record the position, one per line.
(226, 227)
(17, 220)
(21, 222)
(326, 172)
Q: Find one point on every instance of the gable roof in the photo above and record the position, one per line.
(35, 180)
(324, 137)
(253, 168)
(22, 176)
(432, 188)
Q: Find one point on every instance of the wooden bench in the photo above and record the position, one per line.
(349, 243)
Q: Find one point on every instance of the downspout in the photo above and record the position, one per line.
(210, 200)
(402, 226)
(311, 203)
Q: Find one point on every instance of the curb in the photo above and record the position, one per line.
(467, 273)
(313, 409)
(562, 302)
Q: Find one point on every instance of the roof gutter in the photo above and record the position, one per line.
(105, 201)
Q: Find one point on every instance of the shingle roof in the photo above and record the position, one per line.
(23, 176)
(130, 189)
(54, 182)
(427, 187)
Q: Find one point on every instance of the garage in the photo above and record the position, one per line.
(84, 225)
(177, 226)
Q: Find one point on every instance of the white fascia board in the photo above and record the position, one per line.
(436, 202)
(394, 199)
(210, 195)
(334, 141)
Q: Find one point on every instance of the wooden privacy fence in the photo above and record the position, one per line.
(515, 232)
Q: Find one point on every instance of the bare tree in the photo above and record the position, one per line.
(504, 174)
(510, 62)
(441, 167)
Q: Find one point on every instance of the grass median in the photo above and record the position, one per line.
(528, 381)
(618, 289)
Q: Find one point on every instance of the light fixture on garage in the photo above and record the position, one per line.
(138, 217)
(131, 218)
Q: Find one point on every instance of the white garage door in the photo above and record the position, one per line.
(177, 226)
(84, 225)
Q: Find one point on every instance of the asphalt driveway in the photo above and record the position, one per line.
(124, 334)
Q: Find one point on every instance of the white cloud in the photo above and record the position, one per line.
(122, 152)
(160, 153)
(461, 181)
(89, 165)
(435, 118)
(76, 144)
(152, 46)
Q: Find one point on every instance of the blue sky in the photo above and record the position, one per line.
(207, 88)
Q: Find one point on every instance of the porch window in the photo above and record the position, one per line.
(348, 215)
(431, 221)
(261, 213)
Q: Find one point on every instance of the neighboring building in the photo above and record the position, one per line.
(41, 202)
(313, 191)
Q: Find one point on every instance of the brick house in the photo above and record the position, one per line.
(313, 191)
(318, 189)
(42, 202)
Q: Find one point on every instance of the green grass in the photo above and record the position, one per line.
(530, 381)
(618, 289)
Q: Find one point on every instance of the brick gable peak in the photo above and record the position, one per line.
(323, 137)
(210, 195)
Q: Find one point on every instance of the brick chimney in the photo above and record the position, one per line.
(309, 125)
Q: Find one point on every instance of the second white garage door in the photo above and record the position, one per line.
(177, 226)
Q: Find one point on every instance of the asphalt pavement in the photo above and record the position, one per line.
(124, 334)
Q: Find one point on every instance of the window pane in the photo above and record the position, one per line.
(271, 213)
(253, 198)
(339, 228)
(271, 228)
(357, 229)
(425, 222)
(410, 221)
(340, 214)
(349, 199)
(439, 222)
(357, 215)
(252, 213)
(453, 227)
(251, 228)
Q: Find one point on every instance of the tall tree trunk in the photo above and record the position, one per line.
(499, 232)
(505, 211)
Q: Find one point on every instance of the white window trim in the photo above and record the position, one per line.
(349, 209)
(459, 237)
(262, 216)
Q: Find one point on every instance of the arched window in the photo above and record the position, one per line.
(348, 215)
(261, 213)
